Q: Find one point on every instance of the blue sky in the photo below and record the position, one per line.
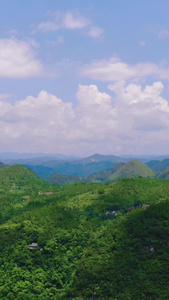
(79, 77)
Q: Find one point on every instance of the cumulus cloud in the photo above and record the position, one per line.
(115, 70)
(134, 118)
(142, 109)
(34, 122)
(69, 20)
(5, 96)
(17, 60)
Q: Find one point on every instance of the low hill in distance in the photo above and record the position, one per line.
(47, 165)
(104, 175)
(158, 166)
(98, 177)
(99, 158)
(132, 169)
(62, 179)
(164, 174)
(2, 165)
(70, 168)
(41, 171)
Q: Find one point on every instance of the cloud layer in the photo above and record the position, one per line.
(135, 119)
(115, 70)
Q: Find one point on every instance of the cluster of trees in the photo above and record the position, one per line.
(81, 252)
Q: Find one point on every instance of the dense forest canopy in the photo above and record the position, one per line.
(83, 240)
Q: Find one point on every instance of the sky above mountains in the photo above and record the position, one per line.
(79, 77)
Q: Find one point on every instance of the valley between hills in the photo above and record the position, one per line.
(101, 235)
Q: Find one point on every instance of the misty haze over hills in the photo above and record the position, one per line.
(57, 168)
(16, 156)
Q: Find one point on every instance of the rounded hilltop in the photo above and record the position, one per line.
(19, 177)
(132, 169)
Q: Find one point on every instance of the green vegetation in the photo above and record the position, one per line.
(70, 168)
(158, 166)
(81, 249)
(164, 174)
(60, 179)
(132, 169)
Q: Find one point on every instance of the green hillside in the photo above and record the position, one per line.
(70, 168)
(104, 175)
(98, 177)
(164, 174)
(83, 240)
(127, 259)
(18, 177)
(132, 169)
(61, 179)
(158, 166)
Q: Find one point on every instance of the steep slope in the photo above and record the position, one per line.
(18, 176)
(127, 259)
(158, 166)
(104, 175)
(98, 177)
(164, 174)
(41, 171)
(132, 169)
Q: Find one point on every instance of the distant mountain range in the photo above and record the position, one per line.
(58, 169)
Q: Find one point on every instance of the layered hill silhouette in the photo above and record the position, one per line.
(95, 168)
(132, 169)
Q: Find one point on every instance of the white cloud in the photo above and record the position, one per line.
(70, 20)
(95, 32)
(48, 26)
(115, 70)
(5, 96)
(17, 59)
(95, 112)
(73, 20)
(142, 109)
(136, 119)
(36, 122)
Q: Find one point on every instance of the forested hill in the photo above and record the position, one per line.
(132, 169)
(18, 177)
(84, 240)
